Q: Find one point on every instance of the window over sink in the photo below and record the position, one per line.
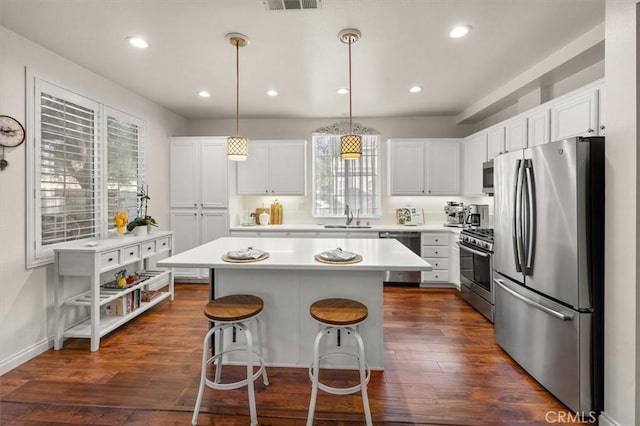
(339, 183)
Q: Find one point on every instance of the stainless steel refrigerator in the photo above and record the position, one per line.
(548, 266)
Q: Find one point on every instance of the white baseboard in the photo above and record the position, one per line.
(605, 420)
(25, 355)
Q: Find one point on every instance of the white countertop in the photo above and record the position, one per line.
(298, 253)
(321, 228)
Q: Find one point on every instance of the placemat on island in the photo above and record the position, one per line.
(356, 259)
(230, 260)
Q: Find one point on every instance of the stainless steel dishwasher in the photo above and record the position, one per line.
(412, 241)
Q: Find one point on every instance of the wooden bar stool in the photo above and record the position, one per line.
(227, 312)
(338, 315)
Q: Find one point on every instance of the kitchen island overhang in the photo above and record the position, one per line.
(290, 280)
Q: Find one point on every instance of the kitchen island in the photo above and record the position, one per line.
(290, 280)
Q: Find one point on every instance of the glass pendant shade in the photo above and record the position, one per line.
(237, 148)
(350, 147)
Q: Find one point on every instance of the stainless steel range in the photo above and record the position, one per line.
(476, 269)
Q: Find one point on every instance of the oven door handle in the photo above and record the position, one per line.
(479, 253)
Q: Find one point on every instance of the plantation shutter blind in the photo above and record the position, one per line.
(125, 165)
(69, 175)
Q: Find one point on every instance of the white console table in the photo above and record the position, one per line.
(87, 261)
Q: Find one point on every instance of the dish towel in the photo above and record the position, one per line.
(337, 255)
(246, 254)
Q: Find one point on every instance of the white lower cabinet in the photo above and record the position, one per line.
(454, 259)
(193, 228)
(435, 250)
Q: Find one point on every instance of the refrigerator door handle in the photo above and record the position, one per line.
(560, 315)
(517, 206)
(531, 217)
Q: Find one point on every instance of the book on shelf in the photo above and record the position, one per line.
(149, 295)
(124, 305)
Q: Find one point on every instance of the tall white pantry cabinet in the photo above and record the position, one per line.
(199, 199)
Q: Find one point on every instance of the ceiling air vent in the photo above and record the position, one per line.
(275, 5)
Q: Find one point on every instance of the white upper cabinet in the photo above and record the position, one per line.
(495, 141)
(424, 166)
(538, 127)
(198, 169)
(274, 168)
(515, 134)
(443, 171)
(575, 116)
(184, 177)
(507, 136)
(406, 167)
(474, 154)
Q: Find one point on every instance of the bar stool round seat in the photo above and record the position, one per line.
(233, 311)
(339, 315)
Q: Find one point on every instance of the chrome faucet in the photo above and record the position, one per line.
(349, 215)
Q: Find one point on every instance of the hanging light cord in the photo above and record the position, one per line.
(350, 109)
(237, 87)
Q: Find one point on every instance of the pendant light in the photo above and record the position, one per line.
(350, 144)
(237, 146)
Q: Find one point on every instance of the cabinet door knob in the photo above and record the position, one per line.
(602, 127)
(266, 190)
(195, 204)
(590, 131)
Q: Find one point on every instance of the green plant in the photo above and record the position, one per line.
(143, 218)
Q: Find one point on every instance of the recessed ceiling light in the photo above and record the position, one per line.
(138, 42)
(272, 92)
(460, 31)
(415, 89)
(204, 94)
(342, 91)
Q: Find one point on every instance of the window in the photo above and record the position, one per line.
(124, 164)
(337, 182)
(84, 161)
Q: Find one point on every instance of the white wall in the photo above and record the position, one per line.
(622, 288)
(26, 318)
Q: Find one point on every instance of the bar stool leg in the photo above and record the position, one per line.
(265, 379)
(363, 379)
(316, 378)
(250, 390)
(219, 360)
(203, 376)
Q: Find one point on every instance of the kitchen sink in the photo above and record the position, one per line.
(348, 226)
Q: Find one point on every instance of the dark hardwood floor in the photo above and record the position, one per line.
(442, 366)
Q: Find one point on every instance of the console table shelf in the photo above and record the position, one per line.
(88, 261)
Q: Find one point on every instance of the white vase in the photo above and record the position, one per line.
(141, 231)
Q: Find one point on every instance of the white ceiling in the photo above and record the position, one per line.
(404, 43)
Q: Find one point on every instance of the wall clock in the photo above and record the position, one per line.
(11, 131)
(11, 134)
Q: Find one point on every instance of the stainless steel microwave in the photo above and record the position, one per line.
(487, 177)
